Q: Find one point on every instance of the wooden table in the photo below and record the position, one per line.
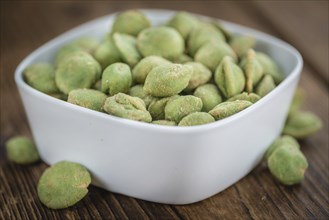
(304, 24)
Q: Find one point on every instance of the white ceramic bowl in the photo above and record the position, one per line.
(175, 165)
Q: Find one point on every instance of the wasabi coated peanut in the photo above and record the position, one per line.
(107, 53)
(87, 44)
(138, 91)
(229, 78)
(126, 46)
(196, 118)
(164, 122)
(251, 97)
(252, 69)
(210, 96)
(84, 44)
(167, 80)
(87, 98)
(160, 41)
(200, 75)
(212, 53)
(201, 35)
(270, 67)
(63, 185)
(297, 101)
(265, 86)
(21, 150)
(157, 107)
(130, 22)
(184, 23)
(41, 76)
(287, 164)
(301, 124)
(182, 59)
(77, 71)
(241, 44)
(125, 106)
(145, 65)
(284, 140)
(116, 78)
(178, 108)
(226, 109)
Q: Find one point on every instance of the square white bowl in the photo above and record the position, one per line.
(175, 165)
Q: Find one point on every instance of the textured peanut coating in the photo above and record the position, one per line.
(226, 109)
(157, 107)
(229, 78)
(138, 91)
(178, 108)
(210, 96)
(107, 53)
(160, 41)
(126, 46)
(265, 86)
(21, 150)
(184, 23)
(63, 185)
(241, 44)
(130, 22)
(145, 65)
(126, 106)
(284, 140)
(87, 98)
(196, 118)
(251, 97)
(167, 80)
(200, 75)
(41, 76)
(116, 78)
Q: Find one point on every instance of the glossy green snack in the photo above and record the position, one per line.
(130, 22)
(157, 107)
(126, 46)
(270, 67)
(41, 76)
(125, 106)
(201, 35)
(138, 91)
(301, 124)
(211, 54)
(63, 185)
(251, 97)
(265, 86)
(21, 150)
(144, 66)
(160, 41)
(241, 44)
(201, 75)
(284, 140)
(226, 109)
(178, 108)
(196, 118)
(297, 101)
(78, 71)
(210, 96)
(229, 78)
(287, 164)
(116, 78)
(184, 23)
(107, 53)
(87, 98)
(167, 80)
(164, 122)
(252, 70)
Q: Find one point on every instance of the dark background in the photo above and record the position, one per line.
(26, 25)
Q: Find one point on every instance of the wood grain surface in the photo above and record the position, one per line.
(26, 25)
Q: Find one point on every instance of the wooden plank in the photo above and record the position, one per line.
(257, 196)
(304, 25)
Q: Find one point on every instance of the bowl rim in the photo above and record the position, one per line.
(149, 126)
